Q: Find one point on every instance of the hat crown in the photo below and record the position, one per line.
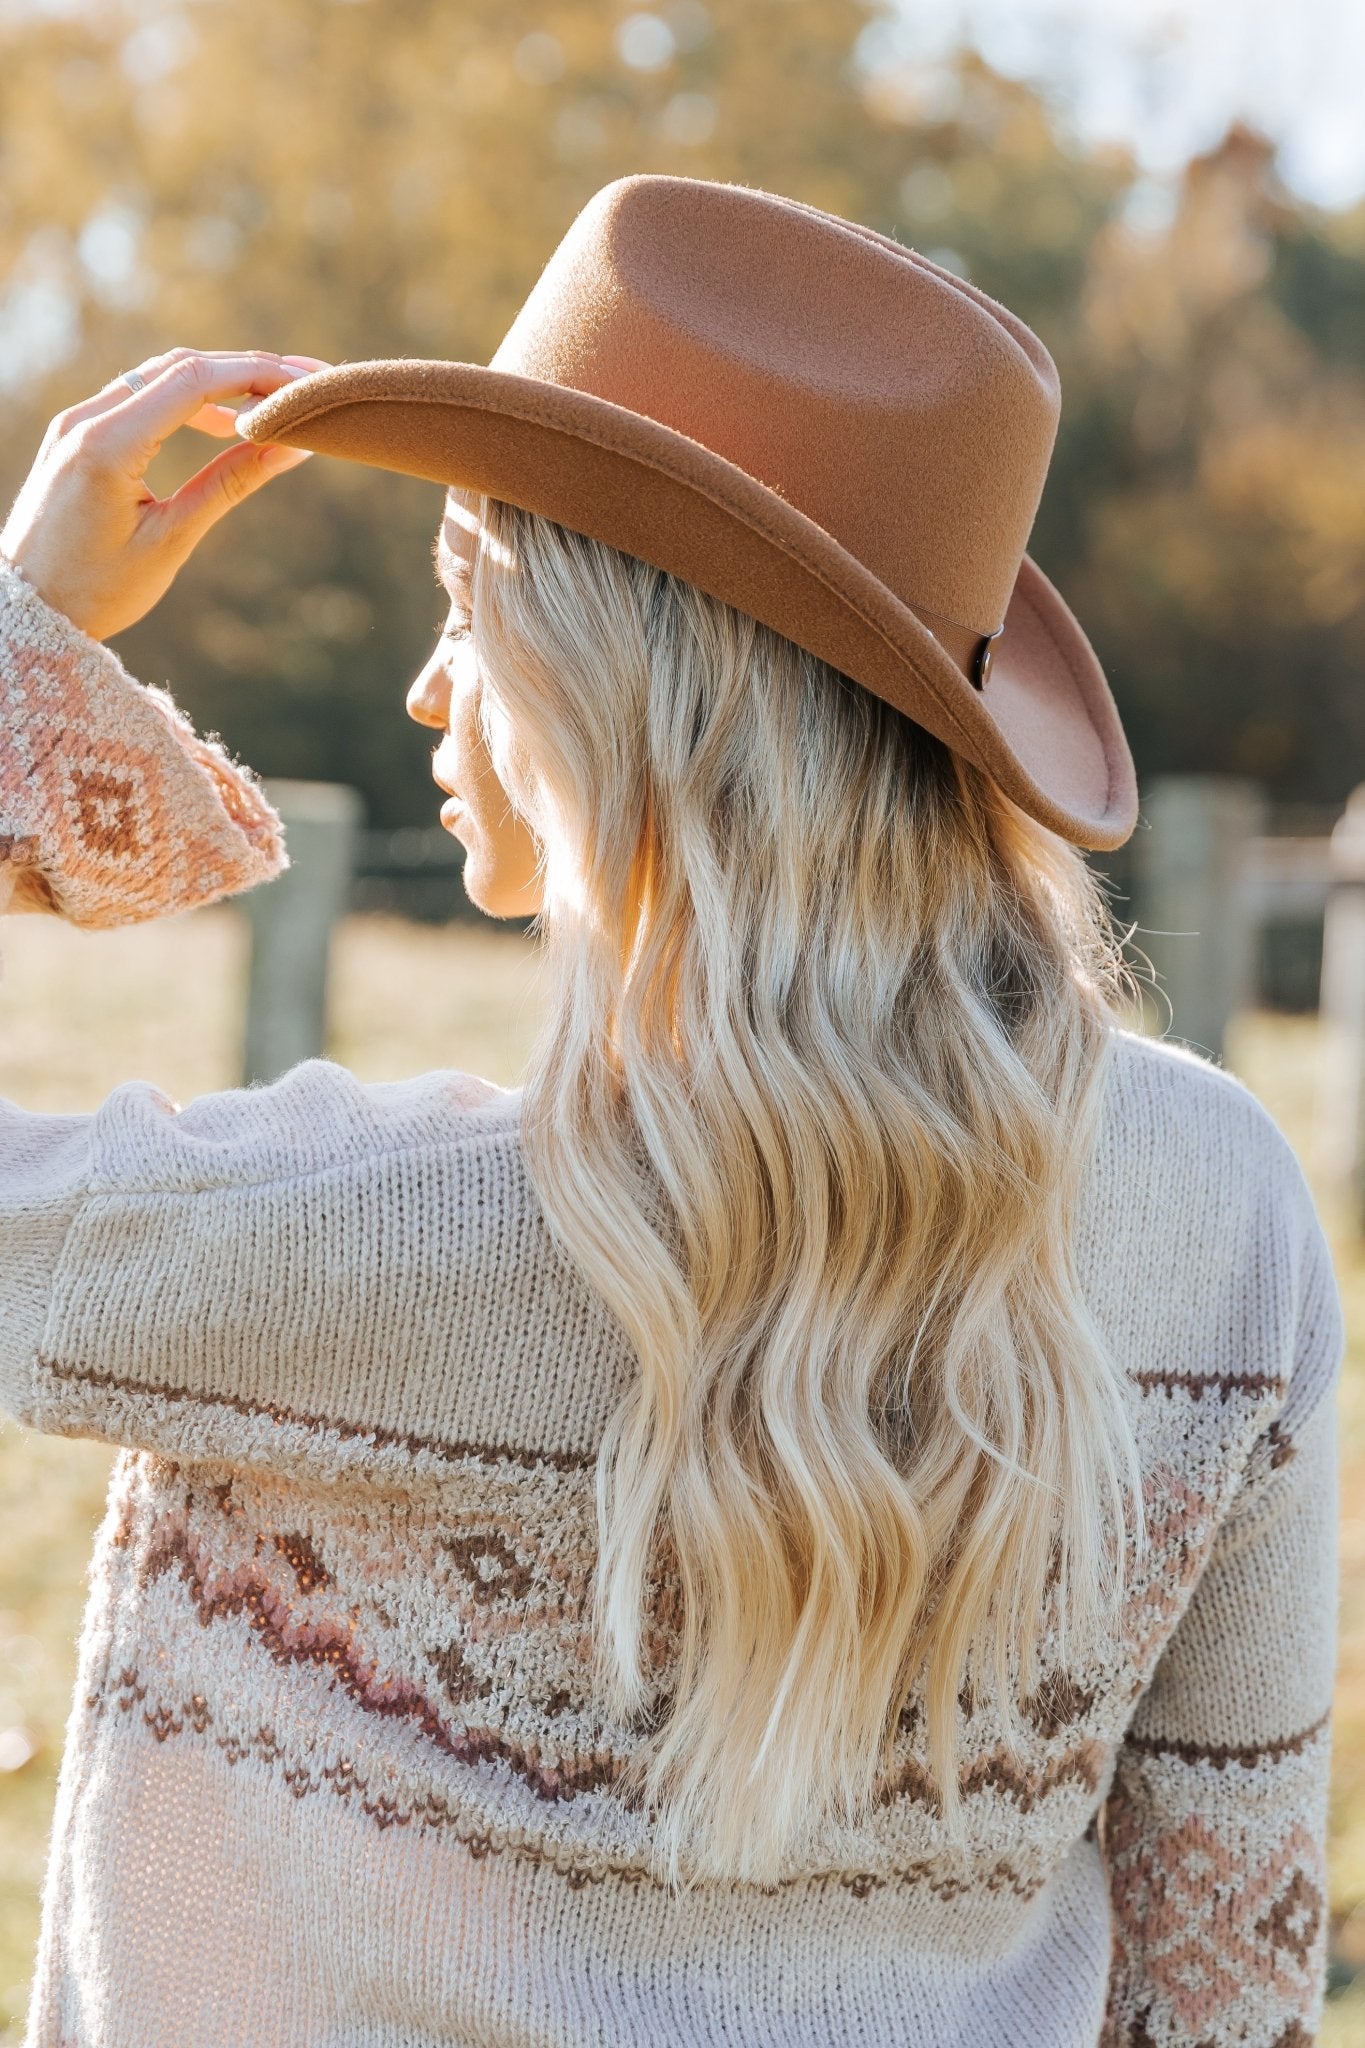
(907, 414)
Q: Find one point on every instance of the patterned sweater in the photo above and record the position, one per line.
(334, 1777)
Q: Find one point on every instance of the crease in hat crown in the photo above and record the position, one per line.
(808, 420)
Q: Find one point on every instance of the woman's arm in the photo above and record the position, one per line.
(111, 809)
(1215, 1828)
(292, 1275)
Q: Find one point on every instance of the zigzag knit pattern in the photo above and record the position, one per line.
(335, 1776)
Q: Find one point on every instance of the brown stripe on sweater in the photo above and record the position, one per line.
(1221, 1754)
(1000, 1877)
(330, 1649)
(383, 1439)
(430, 1810)
(999, 1772)
(1197, 1384)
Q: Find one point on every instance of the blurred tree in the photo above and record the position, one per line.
(1222, 566)
(350, 182)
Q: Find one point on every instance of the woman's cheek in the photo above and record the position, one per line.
(501, 852)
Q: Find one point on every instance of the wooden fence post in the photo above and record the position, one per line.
(1197, 926)
(1340, 1134)
(291, 923)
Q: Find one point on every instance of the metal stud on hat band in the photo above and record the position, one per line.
(981, 667)
(133, 379)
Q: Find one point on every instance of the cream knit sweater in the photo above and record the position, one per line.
(333, 1777)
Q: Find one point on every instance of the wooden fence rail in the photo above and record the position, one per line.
(1205, 877)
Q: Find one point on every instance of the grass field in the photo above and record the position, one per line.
(79, 1013)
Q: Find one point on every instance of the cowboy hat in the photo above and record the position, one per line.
(807, 420)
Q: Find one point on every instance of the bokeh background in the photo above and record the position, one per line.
(1170, 194)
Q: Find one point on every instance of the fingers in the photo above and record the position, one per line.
(213, 490)
(184, 387)
(117, 390)
(136, 428)
(222, 421)
(110, 394)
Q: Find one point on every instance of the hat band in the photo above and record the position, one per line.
(970, 650)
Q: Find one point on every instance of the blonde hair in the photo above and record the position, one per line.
(811, 1110)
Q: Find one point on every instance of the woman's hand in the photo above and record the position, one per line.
(87, 532)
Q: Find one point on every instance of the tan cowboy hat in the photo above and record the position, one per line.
(805, 419)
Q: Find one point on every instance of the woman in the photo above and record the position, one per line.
(812, 1522)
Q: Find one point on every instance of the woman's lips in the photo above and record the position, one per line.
(450, 810)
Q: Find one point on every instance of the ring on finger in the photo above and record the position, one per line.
(134, 379)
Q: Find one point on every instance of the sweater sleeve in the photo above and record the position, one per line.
(107, 795)
(1214, 1831)
(292, 1275)
(112, 811)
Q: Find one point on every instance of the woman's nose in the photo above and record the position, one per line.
(429, 697)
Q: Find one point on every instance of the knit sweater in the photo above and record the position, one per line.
(334, 1775)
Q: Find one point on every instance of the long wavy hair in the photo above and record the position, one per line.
(828, 1028)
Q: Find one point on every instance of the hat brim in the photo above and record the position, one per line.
(1045, 727)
